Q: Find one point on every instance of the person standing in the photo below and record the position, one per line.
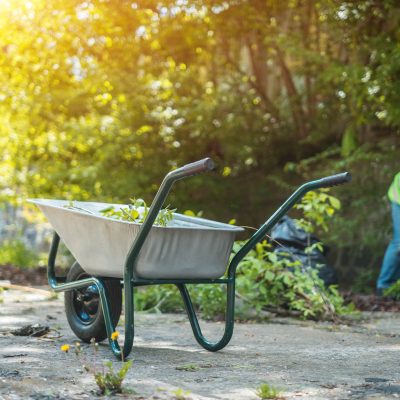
(390, 270)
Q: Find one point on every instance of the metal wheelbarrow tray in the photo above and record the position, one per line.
(187, 251)
(186, 248)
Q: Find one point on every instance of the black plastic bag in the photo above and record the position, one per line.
(292, 243)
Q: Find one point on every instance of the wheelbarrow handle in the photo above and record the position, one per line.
(187, 170)
(334, 180)
(281, 211)
(194, 168)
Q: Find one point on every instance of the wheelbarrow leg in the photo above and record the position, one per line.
(129, 322)
(229, 318)
(58, 286)
(129, 317)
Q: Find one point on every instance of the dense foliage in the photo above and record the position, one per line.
(15, 252)
(100, 98)
(264, 283)
(265, 280)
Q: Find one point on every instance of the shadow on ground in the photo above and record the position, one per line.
(304, 359)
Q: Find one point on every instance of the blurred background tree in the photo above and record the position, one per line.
(100, 98)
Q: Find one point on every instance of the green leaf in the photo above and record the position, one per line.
(189, 213)
(335, 202)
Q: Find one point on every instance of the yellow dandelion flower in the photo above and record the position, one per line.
(65, 348)
(114, 335)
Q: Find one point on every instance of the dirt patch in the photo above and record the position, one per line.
(372, 302)
(28, 277)
(304, 359)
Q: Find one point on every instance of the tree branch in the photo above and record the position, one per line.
(294, 98)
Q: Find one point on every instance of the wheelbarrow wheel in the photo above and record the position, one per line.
(83, 308)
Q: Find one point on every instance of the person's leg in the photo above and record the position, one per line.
(390, 271)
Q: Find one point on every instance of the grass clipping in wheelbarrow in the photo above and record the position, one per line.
(135, 212)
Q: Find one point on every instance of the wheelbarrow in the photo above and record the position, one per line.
(112, 254)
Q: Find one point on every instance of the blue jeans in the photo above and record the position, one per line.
(390, 271)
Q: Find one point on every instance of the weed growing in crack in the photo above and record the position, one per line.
(181, 394)
(107, 379)
(266, 391)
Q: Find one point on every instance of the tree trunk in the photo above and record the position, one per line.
(299, 118)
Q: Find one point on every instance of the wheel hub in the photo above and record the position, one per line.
(86, 303)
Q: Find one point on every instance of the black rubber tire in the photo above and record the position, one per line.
(88, 325)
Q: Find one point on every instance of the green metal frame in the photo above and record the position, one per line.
(130, 281)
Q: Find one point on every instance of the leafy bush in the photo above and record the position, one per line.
(209, 299)
(393, 291)
(15, 252)
(264, 280)
(263, 283)
(362, 231)
(162, 298)
(317, 207)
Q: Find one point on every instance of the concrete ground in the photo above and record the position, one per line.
(303, 359)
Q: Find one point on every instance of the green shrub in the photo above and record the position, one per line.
(263, 283)
(393, 291)
(268, 283)
(160, 298)
(264, 280)
(365, 281)
(15, 252)
(209, 299)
